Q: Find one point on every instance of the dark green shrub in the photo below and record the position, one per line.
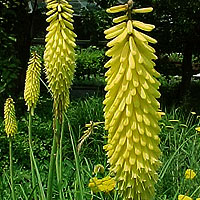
(90, 62)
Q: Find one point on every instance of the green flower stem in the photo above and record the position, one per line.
(11, 169)
(59, 157)
(31, 157)
(56, 139)
(81, 194)
(61, 139)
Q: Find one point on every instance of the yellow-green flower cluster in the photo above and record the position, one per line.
(10, 118)
(131, 108)
(59, 55)
(32, 85)
(197, 129)
(98, 169)
(189, 174)
(183, 197)
(105, 184)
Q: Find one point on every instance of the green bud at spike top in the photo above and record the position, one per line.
(32, 84)
(10, 118)
(59, 55)
(131, 108)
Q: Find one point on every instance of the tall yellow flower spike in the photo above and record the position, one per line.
(32, 84)
(10, 118)
(59, 55)
(131, 108)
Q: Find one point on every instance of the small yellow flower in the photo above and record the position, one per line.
(183, 197)
(105, 184)
(99, 169)
(197, 198)
(197, 129)
(193, 113)
(10, 118)
(32, 84)
(189, 174)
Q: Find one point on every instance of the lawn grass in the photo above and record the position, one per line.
(180, 145)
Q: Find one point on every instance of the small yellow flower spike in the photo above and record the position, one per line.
(131, 108)
(189, 174)
(183, 197)
(10, 118)
(32, 84)
(105, 184)
(197, 129)
(59, 55)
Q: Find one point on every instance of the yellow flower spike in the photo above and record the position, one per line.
(32, 84)
(183, 197)
(189, 174)
(10, 118)
(131, 110)
(105, 184)
(59, 55)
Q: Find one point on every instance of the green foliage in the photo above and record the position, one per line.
(89, 62)
(180, 144)
(93, 23)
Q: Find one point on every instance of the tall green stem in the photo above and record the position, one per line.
(56, 139)
(61, 139)
(59, 160)
(31, 157)
(81, 195)
(11, 169)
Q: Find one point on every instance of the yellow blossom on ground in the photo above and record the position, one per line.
(189, 174)
(105, 184)
(197, 129)
(98, 169)
(183, 197)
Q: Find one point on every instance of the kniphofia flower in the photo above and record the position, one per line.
(10, 121)
(59, 55)
(131, 108)
(32, 84)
